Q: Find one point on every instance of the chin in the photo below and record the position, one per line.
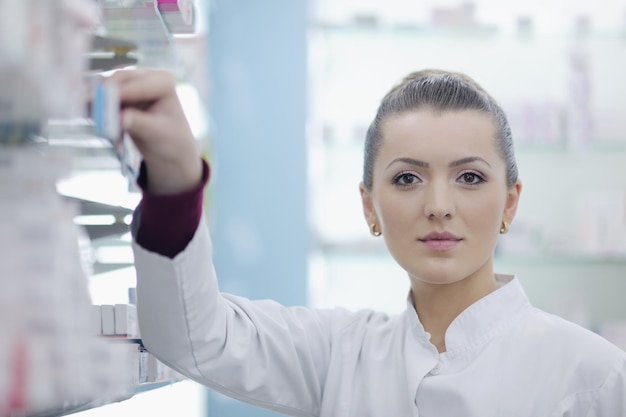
(439, 270)
(438, 279)
(438, 275)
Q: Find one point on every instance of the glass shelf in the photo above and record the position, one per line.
(76, 408)
(145, 26)
(374, 248)
(598, 147)
(537, 146)
(354, 28)
(558, 259)
(400, 29)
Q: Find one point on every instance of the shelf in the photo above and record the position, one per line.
(373, 248)
(413, 30)
(598, 147)
(124, 393)
(594, 147)
(372, 26)
(558, 259)
(146, 27)
(76, 408)
(177, 22)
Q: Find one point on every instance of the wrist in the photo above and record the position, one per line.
(173, 178)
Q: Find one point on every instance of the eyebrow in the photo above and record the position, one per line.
(452, 164)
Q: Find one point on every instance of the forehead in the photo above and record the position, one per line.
(426, 133)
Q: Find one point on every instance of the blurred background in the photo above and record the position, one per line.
(280, 93)
(553, 67)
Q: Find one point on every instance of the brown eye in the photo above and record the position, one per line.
(471, 178)
(406, 179)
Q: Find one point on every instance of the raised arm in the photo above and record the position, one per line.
(260, 352)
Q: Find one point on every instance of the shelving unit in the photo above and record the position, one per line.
(145, 31)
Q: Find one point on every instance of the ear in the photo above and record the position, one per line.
(512, 199)
(368, 205)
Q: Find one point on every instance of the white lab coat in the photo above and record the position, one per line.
(504, 357)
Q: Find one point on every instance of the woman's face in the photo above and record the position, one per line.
(439, 194)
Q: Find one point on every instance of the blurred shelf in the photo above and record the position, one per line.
(147, 31)
(145, 26)
(374, 248)
(350, 247)
(122, 395)
(560, 259)
(373, 26)
(177, 22)
(151, 26)
(75, 408)
(593, 148)
(597, 147)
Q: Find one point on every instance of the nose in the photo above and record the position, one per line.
(439, 202)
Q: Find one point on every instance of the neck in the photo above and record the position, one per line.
(437, 305)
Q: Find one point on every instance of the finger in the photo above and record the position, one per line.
(145, 86)
(123, 75)
(138, 124)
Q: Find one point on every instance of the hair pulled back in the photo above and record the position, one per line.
(439, 91)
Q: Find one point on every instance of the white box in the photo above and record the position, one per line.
(126, 321)
(108, 319)
(96, 320)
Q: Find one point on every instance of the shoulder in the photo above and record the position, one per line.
(591, 370)
(564, 333)
(581, 352)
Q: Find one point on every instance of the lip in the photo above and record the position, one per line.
(440, 241)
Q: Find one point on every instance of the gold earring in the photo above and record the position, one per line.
(504, 228)
(373, 230)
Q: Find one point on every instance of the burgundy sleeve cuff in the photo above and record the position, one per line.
(165, 224)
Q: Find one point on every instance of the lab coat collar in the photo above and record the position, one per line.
(479, 322)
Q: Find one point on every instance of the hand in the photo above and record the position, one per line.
(154, 119)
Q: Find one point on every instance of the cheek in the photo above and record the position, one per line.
(398, 212)
(484, 213)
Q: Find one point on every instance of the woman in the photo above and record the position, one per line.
(440, 184)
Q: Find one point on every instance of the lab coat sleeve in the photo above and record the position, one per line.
(610, 399)
(257, 351)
